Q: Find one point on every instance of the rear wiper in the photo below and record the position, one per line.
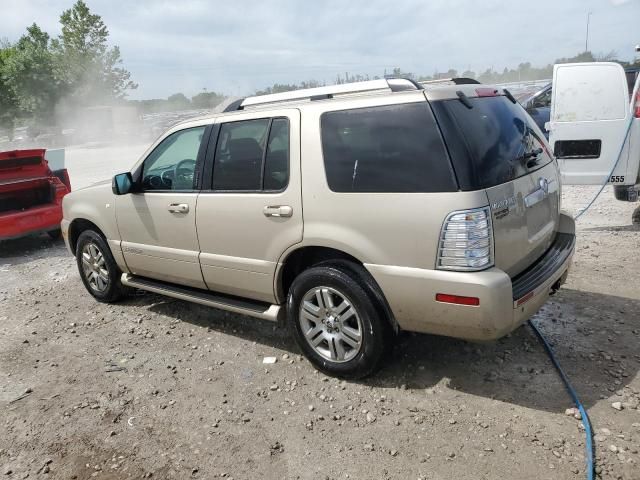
(508, 94)
(533, 155)
(464, 99)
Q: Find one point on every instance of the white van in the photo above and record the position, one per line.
(591, 116)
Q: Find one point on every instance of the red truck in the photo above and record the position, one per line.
(30, 194)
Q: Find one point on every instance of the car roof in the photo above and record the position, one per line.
(342, 94)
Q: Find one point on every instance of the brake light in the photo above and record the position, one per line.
(636, 107)
(486, 92)
(457, 299)
(466, 241)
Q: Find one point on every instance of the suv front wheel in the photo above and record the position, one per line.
(336, 323)
(98, 269)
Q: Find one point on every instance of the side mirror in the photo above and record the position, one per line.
(122, 183)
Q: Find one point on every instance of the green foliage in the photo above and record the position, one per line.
(90, 70)
(8, 101)
(28, 74)
(283, 87)
(524, 72)
(207, 100)
(178, 101)
(78, 68)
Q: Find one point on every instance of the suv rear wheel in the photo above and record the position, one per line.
(336, 323)
(98, 269)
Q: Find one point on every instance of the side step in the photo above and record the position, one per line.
(256, 309)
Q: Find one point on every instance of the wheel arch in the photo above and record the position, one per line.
(303, 257)
(79, 225)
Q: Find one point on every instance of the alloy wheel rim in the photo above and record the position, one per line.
(330, 324)
(94, 267)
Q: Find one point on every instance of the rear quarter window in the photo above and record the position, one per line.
(491, 142)
(391, 148)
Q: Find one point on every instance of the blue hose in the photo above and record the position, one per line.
(585, 418)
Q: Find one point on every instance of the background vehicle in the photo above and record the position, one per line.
(538, 105)
(430, 210)
(30, 194)
(595, 111)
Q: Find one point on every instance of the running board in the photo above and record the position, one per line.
(257, 309)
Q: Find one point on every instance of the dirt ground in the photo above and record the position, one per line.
(159, 388)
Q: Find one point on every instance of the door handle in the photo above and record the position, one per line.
(178, 208)
(277, 211)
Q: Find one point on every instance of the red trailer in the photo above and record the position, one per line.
(30, 194)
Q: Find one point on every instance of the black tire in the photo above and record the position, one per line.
(620, 192)
(112, 290)
(344, 283)
(55, 234)
(635, 216)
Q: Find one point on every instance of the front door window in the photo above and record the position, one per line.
(172, 164)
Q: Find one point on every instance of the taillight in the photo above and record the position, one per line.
(636, 106)
(466, 241)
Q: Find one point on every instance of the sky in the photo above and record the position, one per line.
(237, 46)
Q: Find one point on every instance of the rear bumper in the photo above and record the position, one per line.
(505, 303)
(33, 220)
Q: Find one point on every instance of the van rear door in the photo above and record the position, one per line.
(590, 111)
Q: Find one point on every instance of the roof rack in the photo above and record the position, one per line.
(322, 93)
(455, 81)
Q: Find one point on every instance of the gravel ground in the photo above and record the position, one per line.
(159, 388)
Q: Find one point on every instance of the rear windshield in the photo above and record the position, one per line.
(391, 148)
(493, 142)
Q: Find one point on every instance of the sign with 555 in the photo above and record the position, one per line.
(616, 179)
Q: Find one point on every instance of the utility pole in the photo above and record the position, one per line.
(586, 40)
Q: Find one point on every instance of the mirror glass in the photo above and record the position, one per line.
(122, 183)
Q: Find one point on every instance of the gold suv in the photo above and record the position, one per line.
(349, 212)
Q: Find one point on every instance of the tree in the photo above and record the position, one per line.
(91, 72)
(488, 76)
(283, 87)
(178, 101)
(8, 102)
(452, 73)
(28, 74)
(611, 56)
(206, 100)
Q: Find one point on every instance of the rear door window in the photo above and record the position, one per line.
(239, 152)
(391, 148)
(276, 161)
(252, 156)
(493, 142)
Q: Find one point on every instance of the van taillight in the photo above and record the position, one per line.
(636, 106)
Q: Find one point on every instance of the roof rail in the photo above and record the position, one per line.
(455, 81)
(330, 91)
